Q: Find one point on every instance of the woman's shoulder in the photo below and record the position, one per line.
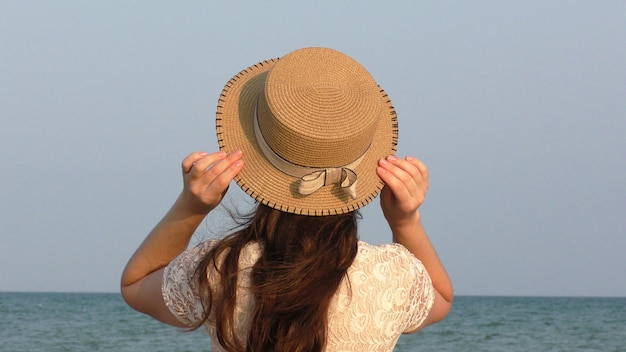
(391, 265)
(392, 257)
(384, 251)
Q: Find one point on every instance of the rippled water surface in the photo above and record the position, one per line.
(102, 322)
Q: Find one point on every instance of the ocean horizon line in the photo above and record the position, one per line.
(456, 295)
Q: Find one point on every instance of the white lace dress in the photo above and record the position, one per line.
(389, 293)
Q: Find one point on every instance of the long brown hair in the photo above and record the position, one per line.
(303, 261)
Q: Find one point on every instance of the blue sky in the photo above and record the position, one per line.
(518, 108)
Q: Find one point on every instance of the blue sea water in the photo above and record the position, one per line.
(102, 322)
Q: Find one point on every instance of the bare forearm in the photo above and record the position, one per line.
(205, 181)
(205, 178)
(412, 235)
(168, 239)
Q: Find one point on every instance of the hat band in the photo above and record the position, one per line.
(310, 179)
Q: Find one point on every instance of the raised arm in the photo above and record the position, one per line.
(206, 178)
(406, 184)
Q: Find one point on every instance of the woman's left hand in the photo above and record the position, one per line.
(206, 178)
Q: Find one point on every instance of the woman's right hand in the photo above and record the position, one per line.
(406, 184)
(206, 178)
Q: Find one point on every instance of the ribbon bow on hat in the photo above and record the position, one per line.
(343, 176)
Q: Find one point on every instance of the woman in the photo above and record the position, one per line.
(318, 137)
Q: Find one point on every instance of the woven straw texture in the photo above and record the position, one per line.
(321, 124)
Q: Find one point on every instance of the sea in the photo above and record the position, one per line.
(102, 322)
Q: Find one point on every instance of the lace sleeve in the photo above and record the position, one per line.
(422, 294)
(179, 291)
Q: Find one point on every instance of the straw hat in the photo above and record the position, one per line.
(312, 126)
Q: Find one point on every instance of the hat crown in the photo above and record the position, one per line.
(319, 108)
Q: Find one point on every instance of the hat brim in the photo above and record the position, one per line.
(270, 186)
